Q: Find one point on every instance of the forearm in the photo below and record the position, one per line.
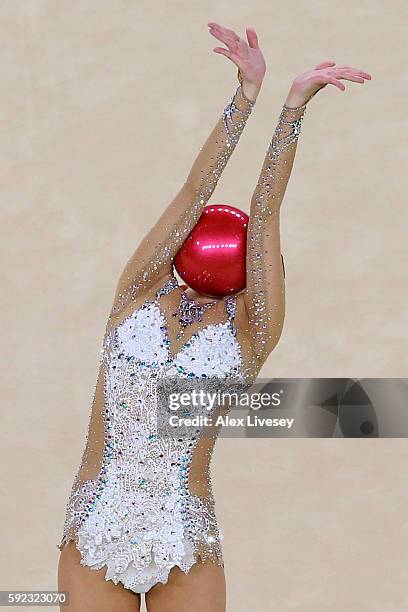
(265, 290)
(277, 165)
(220, 144)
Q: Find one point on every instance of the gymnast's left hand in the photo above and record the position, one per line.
(246, 55)
(307, 84)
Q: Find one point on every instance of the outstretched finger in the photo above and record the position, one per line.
(362, 73)
(252, 38)
(336, 82)
(227, 40)
(326, 64)
(366, 75)
(233, 35)
(225, 32)
(349, 76)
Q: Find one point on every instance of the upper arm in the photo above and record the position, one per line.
(265, 286)
(153, 258)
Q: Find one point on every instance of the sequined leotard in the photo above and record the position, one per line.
(140, 503)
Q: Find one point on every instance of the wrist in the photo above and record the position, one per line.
(295, 99)
(250, 90)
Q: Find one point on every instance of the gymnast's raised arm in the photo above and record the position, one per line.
(154, 256)
(265, 287)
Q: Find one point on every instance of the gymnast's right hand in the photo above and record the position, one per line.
(247, 56)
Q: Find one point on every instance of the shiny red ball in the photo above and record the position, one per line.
(212, 258)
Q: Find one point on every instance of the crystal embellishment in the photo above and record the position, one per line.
(189, 311)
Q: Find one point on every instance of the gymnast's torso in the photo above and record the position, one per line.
(142, 502)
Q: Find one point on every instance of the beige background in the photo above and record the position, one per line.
(104, 106)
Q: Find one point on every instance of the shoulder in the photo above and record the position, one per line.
(142, 294)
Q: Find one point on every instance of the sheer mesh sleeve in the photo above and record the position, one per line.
(265, 290)
(153, 258)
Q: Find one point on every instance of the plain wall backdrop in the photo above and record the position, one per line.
(104, 106)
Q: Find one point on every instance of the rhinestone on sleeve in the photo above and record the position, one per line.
(265, 204)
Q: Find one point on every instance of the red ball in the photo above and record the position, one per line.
(212, 258)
